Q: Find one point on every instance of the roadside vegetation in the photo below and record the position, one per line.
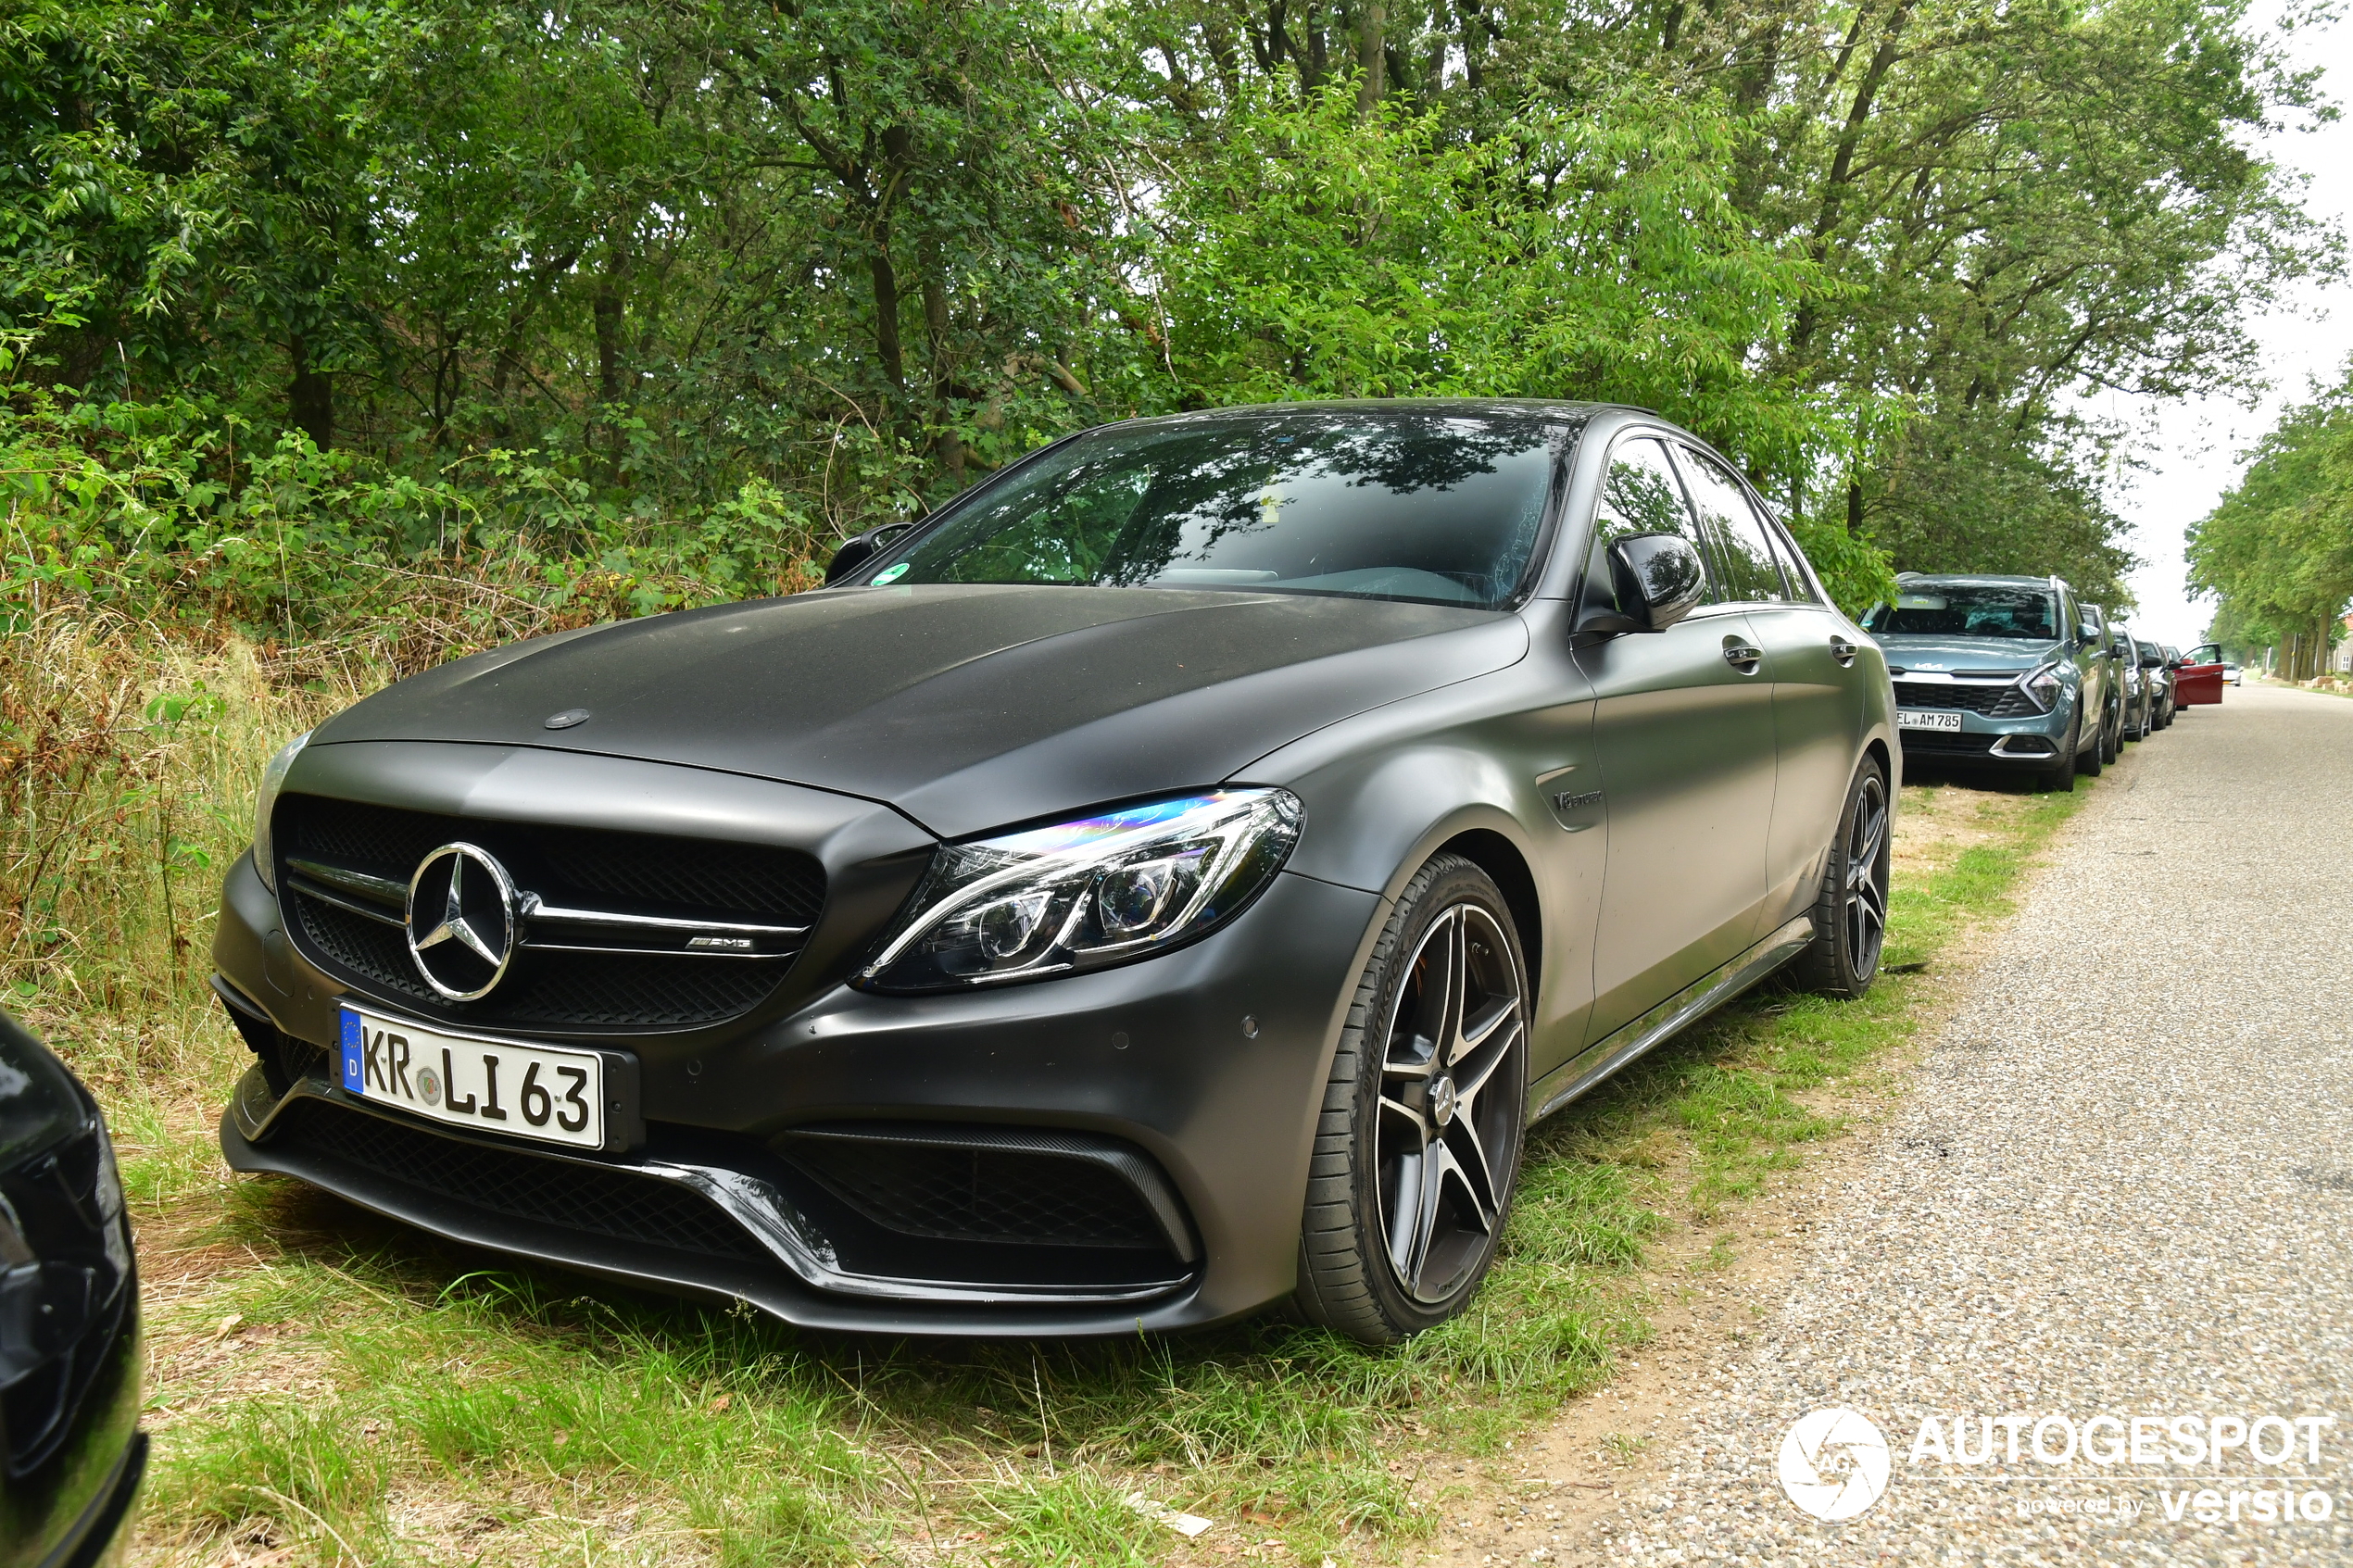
(323, 317)
(2278, 550)
(327, 1388)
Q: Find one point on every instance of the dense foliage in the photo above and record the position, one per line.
(637, 302)
(2278, 550)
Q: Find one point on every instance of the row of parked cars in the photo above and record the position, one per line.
(2018, 674)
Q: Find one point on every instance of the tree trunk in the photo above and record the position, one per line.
(899, 152)
(310, 396)
(1475, 35)
(947, 444)
(1855, 507)
(1371, 59)
(1842, 171)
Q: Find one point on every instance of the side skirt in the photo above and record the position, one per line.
(1606, 1056)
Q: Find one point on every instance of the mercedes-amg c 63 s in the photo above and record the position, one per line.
(1164, 882)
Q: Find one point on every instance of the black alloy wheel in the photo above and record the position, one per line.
(1850, 917)
(1418, 1144)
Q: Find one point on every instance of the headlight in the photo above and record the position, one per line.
(265, 864)
(2043, 687)
(1086, 894)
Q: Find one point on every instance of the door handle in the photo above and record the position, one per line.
(1843, 651)
(1744, 657)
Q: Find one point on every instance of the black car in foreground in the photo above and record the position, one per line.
(1164, 882)
(71, 1450)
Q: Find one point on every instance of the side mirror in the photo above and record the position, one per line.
(857, 551)
(1659, 581)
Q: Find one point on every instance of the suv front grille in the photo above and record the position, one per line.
(576, 1196)
(1996, 702)
(609, 872)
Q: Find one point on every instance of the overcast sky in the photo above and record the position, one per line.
(2192, 452)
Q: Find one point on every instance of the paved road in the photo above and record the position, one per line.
(2120, 1188)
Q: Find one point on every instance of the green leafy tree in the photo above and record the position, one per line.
(2279, 547)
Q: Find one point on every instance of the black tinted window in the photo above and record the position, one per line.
(1969, 609)
(1750, 570)
(1640, 494)
(1440, 508)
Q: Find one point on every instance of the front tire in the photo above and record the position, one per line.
(1850, 916)
(2113, 738)
(1418, 1143)
(2059, 777)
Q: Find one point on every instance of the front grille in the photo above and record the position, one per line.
(630, 874)
(980, 1193)
(681, 876)
(1994, 702)
(547, 989)
(574, 1196)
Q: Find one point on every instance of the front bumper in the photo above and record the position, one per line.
(2037, 740)
(1194, 1078)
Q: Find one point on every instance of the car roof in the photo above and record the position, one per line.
(1536, 410)
(2003, 580)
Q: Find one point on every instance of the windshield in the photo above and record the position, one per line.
(1437, 508)
(1973, 610)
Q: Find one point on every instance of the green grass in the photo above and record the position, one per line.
(382, 1397)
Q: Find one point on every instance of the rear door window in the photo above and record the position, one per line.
(1750, 571)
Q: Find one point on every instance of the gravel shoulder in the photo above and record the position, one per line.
(2115, 1182)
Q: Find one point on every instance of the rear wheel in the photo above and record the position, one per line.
(1419, 1140)
(2089, 760)
(2112, 737)
(1850, 915)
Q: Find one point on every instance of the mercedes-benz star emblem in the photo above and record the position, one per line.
(461, 921)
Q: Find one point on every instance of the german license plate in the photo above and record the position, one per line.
(1925, 719)
(490, 1085)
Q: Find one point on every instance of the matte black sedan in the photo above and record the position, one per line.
(71, 1450)
(1162, 883)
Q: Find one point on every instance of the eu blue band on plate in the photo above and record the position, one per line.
(352, 1041)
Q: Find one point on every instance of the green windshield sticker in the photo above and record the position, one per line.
(891, 574)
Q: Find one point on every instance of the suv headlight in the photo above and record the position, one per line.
(1087, 893)
(2043, 687)
(265, 863)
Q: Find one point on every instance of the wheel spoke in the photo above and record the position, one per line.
(1418, 1040)
(1450, 1043)
(1467, 1084)
(1430, 1186)
(1484, 1020)
(1475, 1173)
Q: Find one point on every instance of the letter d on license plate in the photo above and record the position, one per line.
(491, 1086)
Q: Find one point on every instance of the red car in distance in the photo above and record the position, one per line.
(2198, 679)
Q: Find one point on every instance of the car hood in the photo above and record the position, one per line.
(968, 708)
(1934, 653)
